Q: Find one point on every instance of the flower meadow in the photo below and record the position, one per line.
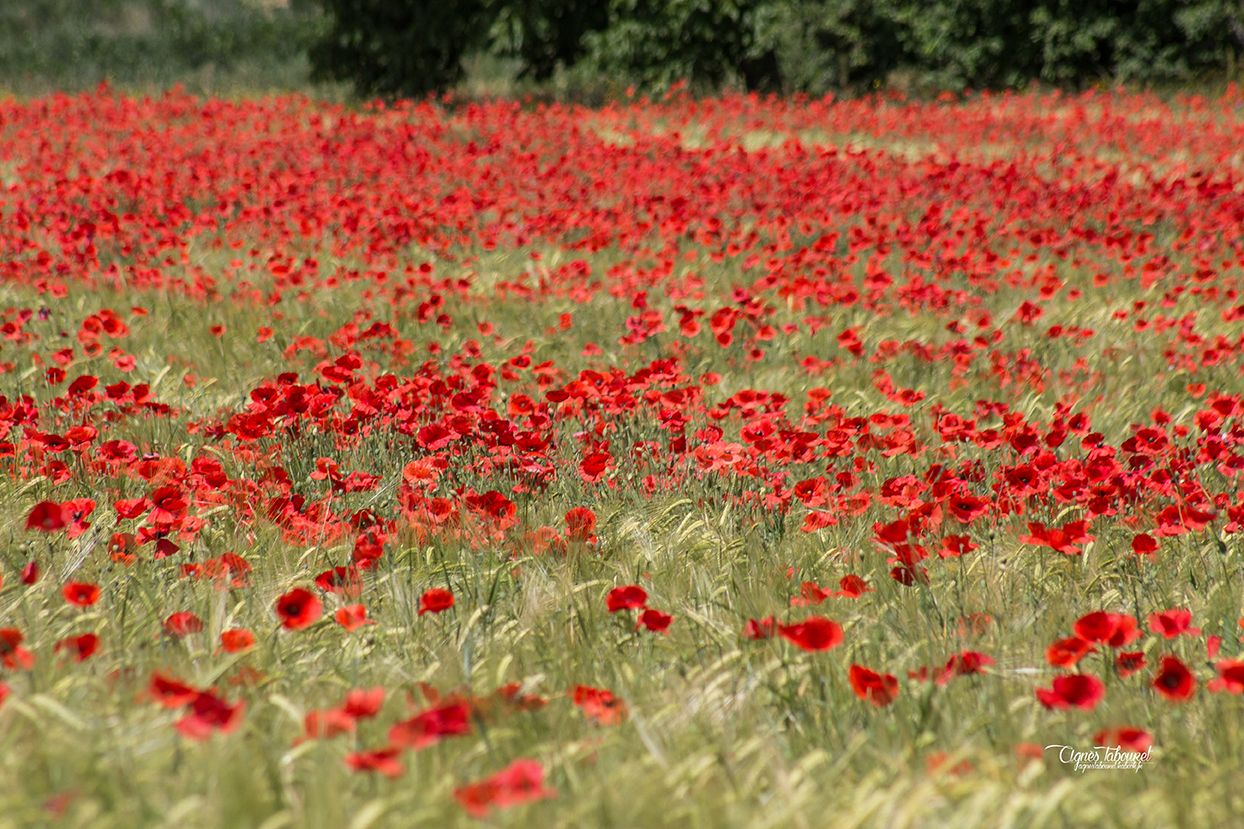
(722, 462)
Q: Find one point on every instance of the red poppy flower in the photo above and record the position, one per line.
(1065, 653)
(209, 713)
(1144, 544)
(435, 600)
(1125, 737)
(581, 524)
(1129, 662)
(298, 609)
(30, 573)
(852, 587)
(382, 761)
(654, 620)
(520, 782)
(183, 623)
(594, 466)
(1171, 623)
(879, 689)
(12, 654)
(810, 593)
(760, 628)
(352, 617)
(816, 633)
(324, 725)
(629, 597)
(169, 692)
(345, 581)
(1114, 629)
(236, 640)
(81, 594)
(599, 704)
(47, 516)
(1081, 691)
(80, 647)
(168, 506)
(965, 663)
(363, 703)
(431, 726)
(1066, 539)
(1173, 680)
(1230, 677)
(967, 508)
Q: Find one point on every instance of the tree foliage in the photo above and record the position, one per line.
(417, 46)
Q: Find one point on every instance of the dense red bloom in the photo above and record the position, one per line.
(1066, 539)
(728, 343)
(594, 466)
(363, 703)
(520, 782)
(428, 727)
(352, 617)
(1230, 677)
(967, 508)
(80, 647)
(12, 654)
(30, 573)
(1081, 691)
(965, 663)
(209, 713)
(236, 640)
(816, 633)
(760, 628)
(183, 623)
(298, 609)
(1173, 680)
(1144, 544)
(630, 597)
(581, 525)
(1129, 662)
(599, 704)
(170, 692)
(879, 689)
(168, 505)
(1126, 738)
(345, 581)
(47, 516)
(852, 587)
(1113, 629)
(1177, 520)
(810, 593)
(323, 725)
(654, 620)
(1171, 623)
(1065, 653)
(81, 594)
(382, 760)
(435, 600)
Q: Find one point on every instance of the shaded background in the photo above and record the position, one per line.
(600, 48)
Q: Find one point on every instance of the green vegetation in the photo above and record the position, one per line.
(48, 45)
(598, 50)
(398, 47)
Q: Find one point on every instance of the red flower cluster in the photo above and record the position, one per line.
(517, 352)
(634, 597)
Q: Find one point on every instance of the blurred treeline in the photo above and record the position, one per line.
(74, 44)
(600, 47)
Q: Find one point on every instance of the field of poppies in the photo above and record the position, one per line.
(725, 462)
